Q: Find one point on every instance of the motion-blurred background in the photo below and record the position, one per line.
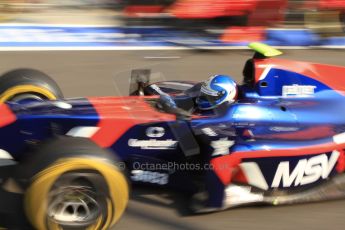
(117, 36)
(179, 22)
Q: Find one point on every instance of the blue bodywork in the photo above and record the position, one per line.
(308, 114)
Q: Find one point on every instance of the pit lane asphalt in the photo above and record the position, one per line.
(101, 73)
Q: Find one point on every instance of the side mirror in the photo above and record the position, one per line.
(140, 78)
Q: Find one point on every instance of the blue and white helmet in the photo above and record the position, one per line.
(215, 91)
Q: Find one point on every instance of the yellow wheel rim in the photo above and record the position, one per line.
(11, 92)
(37, 193)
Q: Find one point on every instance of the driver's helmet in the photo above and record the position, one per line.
(215, 91)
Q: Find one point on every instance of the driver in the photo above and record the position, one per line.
(215, 91)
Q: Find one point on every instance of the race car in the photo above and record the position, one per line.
(67, 163)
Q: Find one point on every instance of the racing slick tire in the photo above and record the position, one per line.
(28, 84)
(74, 184)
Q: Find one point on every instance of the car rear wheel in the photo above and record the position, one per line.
(23, 85)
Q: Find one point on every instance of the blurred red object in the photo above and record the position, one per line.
(332, 4)
(141, 10)
(145, 8)
(267, 12)
(259, 12)
(325, 4)
(211, 8)
(243, 34)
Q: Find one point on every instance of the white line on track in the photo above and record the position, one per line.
(163, 57)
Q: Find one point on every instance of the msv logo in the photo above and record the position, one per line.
(306, 171)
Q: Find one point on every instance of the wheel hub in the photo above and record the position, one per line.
(73, 204)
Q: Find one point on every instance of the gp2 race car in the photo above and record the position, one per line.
(66, 163)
